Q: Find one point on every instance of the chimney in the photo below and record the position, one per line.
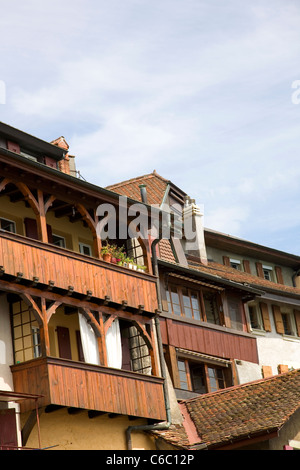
(63, 164)
(143, 191)
(194, 230)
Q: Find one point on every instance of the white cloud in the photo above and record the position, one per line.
(199, 90)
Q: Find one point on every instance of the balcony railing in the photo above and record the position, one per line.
(30, 260)
(79, 385)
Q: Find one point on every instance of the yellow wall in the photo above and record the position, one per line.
(79, 432)
(68, 321)
(74, 233)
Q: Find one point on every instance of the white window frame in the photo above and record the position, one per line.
(84, 245)
(260, 326)
(11, 222)
(269, 270)
(61, 238)
(236, 262)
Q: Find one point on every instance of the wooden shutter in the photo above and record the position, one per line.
(64, 344)
(226, 260)
(50, 162)
(8, 429)
(278, 319)
(279, 275)
(265, 316)
(259, 269)
(246, 265)
(13, 146)
(297, 319)
(31, 229)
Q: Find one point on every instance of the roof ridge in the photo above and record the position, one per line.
(148, 175)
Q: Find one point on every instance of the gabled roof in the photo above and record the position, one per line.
(156, 188)
(240, 412)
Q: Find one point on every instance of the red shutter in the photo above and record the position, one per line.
(32, 232)
(246, 265)
(50, 162)
(259, 269)
(64, 344)
(8, 429)
(13, 146)
(226, 260)
(31, 228)
(279, 275)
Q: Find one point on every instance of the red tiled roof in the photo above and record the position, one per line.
(229, 273)
(239, 412)
(156, 187)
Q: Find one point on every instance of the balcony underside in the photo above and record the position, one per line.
(79, 385)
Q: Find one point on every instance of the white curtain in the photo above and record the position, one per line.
(114, 346)
(89, 342)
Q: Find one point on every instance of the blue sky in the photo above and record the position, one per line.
(199, 90)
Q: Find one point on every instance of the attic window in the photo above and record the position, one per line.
(236, 264)
(268, 273)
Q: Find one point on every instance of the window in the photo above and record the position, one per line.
(187, 302)
(288, 324)
(26, 333)
(85, 249)
(255, 317)
(58, 241)
(135, 251)
(200, 377)
(183, 301)
(211, 308)
(7, 225)
(236, 264)
(268, 273)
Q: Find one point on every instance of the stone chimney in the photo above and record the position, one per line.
(194, 242)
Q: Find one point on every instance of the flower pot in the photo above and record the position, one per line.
(107, 257)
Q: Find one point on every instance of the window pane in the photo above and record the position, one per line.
(182, 375)
(211, 308)
(175, 301)
(216, 379)
(195, 305)
(212, 379)
(198, 379)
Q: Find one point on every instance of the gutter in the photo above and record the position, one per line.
(165, 424)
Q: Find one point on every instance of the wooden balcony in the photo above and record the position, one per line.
(28, 259)
(210, 339)
(73, 384)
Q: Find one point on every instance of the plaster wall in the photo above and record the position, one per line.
(67, 431)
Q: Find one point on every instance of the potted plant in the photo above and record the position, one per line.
(106, 252)
(128, 263)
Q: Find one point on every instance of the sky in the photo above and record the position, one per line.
(206, 92)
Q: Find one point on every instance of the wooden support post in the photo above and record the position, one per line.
(92, 223)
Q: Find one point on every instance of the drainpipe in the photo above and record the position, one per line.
(166, 424)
